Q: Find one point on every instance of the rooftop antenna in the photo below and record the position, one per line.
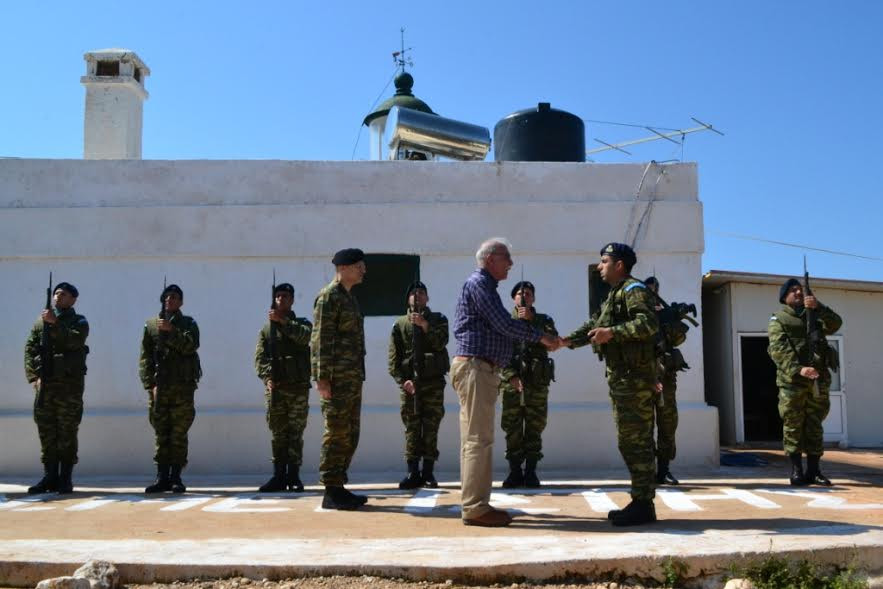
(399, 57)
(669, 136)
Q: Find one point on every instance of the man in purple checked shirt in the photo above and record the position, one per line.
(485, 332)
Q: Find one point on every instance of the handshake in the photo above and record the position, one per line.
(553, 343)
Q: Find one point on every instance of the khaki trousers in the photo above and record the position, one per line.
(477, 384)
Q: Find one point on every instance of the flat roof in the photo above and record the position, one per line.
(716, 278)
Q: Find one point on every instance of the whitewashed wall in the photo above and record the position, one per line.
(218, 228)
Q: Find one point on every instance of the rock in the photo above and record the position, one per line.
(739, 584)
(64, 583)
(100, 574)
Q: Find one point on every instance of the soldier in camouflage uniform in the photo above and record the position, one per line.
(285, 370)
(623, 333)
(337, 354)
(803, 382)
(422, 386)
(169, 369)
(670, 335)
(58, 387)
(524, 384)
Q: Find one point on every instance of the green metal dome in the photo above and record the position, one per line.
(403, 97)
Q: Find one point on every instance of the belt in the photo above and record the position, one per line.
(482, 358)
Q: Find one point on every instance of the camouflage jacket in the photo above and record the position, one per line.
(629, 311)
(174, 350)
(531, 357)
(788, 349)
(337, 345)
(433, 362)
(67, 348)
(292, 351)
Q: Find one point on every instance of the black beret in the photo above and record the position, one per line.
(171, 288)
(525, 284)
(652, 280)
(348, 256)
(620, 251)
(284, 287)
(786, 287)
(67, 287)
(414, 286)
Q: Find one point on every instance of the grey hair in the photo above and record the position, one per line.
(487, 248)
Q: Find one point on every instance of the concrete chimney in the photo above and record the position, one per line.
(115, 96)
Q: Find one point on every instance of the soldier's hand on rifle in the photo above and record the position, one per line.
(164, 325)
(516, 384)
(37, 383)
(419, 320)
(153, 392)
(810, 302)
(809, 372)
(600, 335)
(270, 384)
(408, 387)
(276, 315)
(658, 386)
(525, 313)
(49, 317)
(324, 388)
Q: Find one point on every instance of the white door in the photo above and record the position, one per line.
(835, 424)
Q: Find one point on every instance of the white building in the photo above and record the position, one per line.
(116, 227)
(740, 378)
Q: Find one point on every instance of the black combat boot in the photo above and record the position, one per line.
(663, 474)
(427, 475)
(162, 483)
(412, 480)
(516, 477)
(337, 498)
(359, 500)
(814, 476)
(797, 477)
(639, 511)
(292, 479)
(49, 482)
(65, 478)
(175, 479)
(531, 481)
(277, 481)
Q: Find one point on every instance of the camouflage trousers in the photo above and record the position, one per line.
(58, 420)
(666, 408)
(287, 411)
(803, 412)
(171, 416)
(342, 414)
(421, 426)
(633, 415)
(524, 424)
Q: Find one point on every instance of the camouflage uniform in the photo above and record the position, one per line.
(172, 413)
(337, 355)
(288, 403)
(801, 406)
(524, 418)
(421, 426)
(631, 376)
(58, 409)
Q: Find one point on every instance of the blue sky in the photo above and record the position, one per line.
(796, 87)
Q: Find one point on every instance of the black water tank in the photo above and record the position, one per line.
(543, 134)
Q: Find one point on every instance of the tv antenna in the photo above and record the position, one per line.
(399, 57)
(657, 135)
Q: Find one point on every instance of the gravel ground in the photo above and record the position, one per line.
(366, 581)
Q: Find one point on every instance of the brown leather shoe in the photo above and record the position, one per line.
(495, 518)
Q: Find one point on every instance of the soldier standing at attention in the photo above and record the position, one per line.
(418, 362)
(623, 333)
(803, 381)
(286, 376)
(58, 386)
(524, 384)
(337, 354)
(170, 370)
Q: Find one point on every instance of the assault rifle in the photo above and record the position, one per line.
(518, 360)
(158, 347)
(416, 347)
(45, 348)
(275, 373)
(813, 333)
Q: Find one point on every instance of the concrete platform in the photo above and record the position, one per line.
(222, 528)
